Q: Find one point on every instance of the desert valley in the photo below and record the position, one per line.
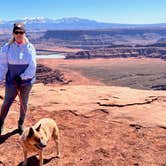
(107, 96)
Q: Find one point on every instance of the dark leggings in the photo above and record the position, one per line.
(10, 95)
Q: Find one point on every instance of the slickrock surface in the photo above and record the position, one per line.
(99, 126)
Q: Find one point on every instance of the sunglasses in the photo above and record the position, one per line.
(19, 32)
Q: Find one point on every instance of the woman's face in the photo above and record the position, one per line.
(19, 36)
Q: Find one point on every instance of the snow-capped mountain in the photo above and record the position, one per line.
(42, 23)
(74, 23)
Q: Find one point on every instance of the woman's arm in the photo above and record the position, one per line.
(3, 62)
(30, 72)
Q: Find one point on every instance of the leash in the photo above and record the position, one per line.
(21, 102)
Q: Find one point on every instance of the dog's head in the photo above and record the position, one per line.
(35, 138)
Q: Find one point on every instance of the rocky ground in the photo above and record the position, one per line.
(120, 52)
(99, 125)
(47, 75)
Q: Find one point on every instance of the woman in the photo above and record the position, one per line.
(18, 68)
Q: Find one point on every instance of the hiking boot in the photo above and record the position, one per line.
(20, 128)
(1, 130)
(1, 126)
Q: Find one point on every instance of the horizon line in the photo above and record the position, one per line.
(98, 21)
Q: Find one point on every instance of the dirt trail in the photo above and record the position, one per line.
(94, 130)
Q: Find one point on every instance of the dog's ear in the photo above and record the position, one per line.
(31, 132)
(38, 128)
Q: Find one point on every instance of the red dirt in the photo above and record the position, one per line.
(99, 125)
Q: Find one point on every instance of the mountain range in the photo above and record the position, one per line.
(74, 23)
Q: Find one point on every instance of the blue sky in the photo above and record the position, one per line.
(115, 11)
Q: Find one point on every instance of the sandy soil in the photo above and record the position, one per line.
(137, 73)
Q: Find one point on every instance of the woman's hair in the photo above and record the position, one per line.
(12, 40)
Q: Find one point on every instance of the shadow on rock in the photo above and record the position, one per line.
(34, 161)
(3, 138)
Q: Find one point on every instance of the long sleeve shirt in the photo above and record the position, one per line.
(17, 60)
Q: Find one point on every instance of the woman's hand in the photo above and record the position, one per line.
(18, 79)
(2, 84)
